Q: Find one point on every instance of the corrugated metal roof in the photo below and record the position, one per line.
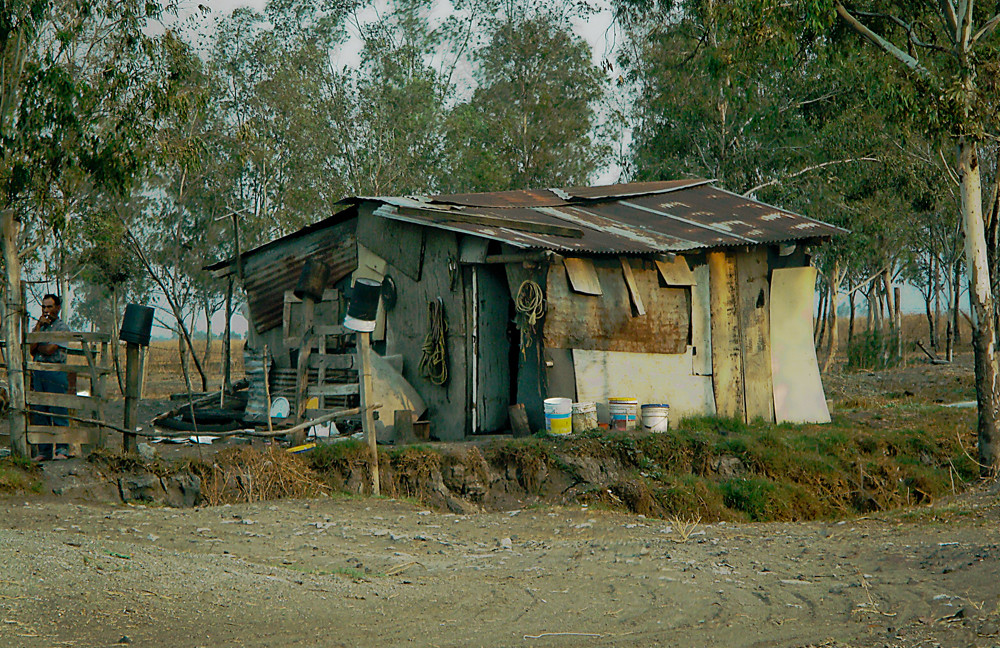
(632, 218)
(269, 273)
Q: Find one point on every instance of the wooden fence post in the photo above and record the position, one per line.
(133, 374)
(368, 415)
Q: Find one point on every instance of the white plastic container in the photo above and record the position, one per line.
(623, 413)
(557, 415)
(656, 417)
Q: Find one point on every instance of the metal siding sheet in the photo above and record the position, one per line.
(267, 276)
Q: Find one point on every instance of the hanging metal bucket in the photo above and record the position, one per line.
(363, 305)
(137, 324)
(312, 280)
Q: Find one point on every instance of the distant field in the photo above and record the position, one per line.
(164, 375)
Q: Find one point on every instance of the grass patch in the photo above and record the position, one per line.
(720, 469)
(19, 475)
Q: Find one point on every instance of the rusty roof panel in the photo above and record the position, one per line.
(632, 189)
(503, 199)
(662, 217)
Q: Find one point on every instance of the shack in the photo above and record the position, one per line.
(673, 292)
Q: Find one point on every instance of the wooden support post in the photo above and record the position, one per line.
(305, 350)
(12, 334)
(368, 416)
(402, 426)
(519, 420)
(227, 343)
(133, 375)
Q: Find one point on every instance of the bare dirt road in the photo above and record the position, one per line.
(366, 572)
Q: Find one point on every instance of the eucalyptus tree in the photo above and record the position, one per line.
(531, 120)
(946, 56)
(78, 91)
(387, 113)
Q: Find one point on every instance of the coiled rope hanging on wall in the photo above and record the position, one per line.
(434, 361)
(530, 306)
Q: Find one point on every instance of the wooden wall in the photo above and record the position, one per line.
(609, 321)
(418, 263)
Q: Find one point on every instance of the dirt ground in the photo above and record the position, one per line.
(356, 571)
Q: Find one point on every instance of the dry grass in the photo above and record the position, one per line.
(249, 475)
(164, 375)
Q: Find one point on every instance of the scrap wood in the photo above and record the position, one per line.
(401, 568)
(254, 433)
(82, 420)
(192, 403)
(934, 359)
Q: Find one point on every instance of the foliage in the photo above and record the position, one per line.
(873, 349)
(530, 120)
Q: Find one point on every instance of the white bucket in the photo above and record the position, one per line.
(584, 416)
(656, 417)
(557, 415)
(622, 412)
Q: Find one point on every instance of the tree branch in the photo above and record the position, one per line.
(987, 28)
(910, 62)
(948, 12)
(911, 34)
(964, 33)
(814, 167)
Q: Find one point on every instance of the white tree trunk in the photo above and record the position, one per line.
(981, 301)
(12, 335)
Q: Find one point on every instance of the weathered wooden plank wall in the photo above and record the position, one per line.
(754, 305)
(727, 360)
(530, 365)
(406, 323)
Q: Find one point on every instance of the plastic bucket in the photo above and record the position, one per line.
(557, 415)
(656, 417)
(584, 416)
(623, 413)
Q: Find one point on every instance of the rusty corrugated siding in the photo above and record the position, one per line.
(638, 218)
(269, 274)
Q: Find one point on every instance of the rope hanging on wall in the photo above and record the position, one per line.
(434, 361)
(530, 306)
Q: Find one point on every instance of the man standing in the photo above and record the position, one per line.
(53, 382)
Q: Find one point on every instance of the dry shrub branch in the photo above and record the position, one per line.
(249, 475)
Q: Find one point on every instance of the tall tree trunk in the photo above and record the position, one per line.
(956, 295)
(819, 327)
(890, 306)
(870, 297)
(12, 334)
(831, 353)
(850, 322)
(936, 287)
(929, 313)
(981, 302)
(206, 306)
(116, 354)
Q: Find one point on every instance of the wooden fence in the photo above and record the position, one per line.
(88, 366)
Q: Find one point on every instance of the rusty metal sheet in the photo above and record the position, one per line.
(503, 199)
(632, 188)
(643, 218)
(268, 274)
(605, 322)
